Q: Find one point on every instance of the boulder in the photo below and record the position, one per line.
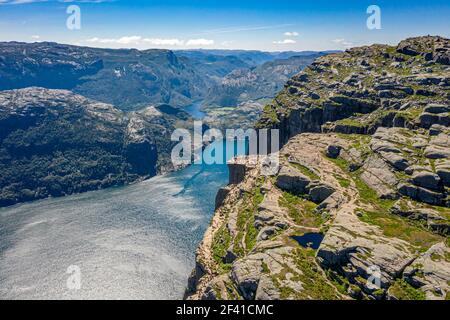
(444, 173)
(378, 145)
(246, 274)
(410, 170)
(332, 202)
(379, 177)
(421, 194)
(408, 210)
(396, 160)
(441, 227)
(431, 272)
(266, 233)
(333, 151)
(426, 179)
(267, 290)
(426, 120)
(436, 152)
(291, 180)
(436, 129)
(320, 192)
(436, 108)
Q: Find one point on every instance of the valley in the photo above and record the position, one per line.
(76, 119)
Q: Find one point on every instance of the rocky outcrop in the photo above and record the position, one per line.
(360, 206)
(292, 180)
(355, 92)
(431, 272)
(434, 49)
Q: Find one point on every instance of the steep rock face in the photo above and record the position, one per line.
(362, 89)
(377, 155)
(54, 142)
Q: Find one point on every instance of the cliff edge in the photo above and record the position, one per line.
(360, 206)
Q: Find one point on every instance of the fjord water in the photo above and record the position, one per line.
(133, 242)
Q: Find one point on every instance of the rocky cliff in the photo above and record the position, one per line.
(54, 143)
(360, 206)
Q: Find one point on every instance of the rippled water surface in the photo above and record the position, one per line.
(135, 242)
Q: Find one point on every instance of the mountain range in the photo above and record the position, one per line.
(75, 119)
(129, 79)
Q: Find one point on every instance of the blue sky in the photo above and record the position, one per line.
(227, 24)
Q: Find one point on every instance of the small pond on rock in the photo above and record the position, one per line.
(309, 240)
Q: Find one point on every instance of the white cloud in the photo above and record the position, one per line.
(158, 42)
(19, 1)
(291, 34)
(343, 42)
(285, 41)
(199, 42)
(122, 40)
(164, 42)
(35, 37)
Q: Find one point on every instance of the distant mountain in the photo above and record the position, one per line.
(74, 119)
(251, 57)
(211, 67)
(129, 79)
(54, 143)
(255, 83)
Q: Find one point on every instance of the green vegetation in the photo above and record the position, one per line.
(411, 114)
(404, 291)
(379, 215)
(246, 238)
(314, 283)
(341, 283)
(305, 170)
(220, 245)
(395, 226)
(351, 122)
(344, 183)
(270, 113)
(302, 211)
(265, 268)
